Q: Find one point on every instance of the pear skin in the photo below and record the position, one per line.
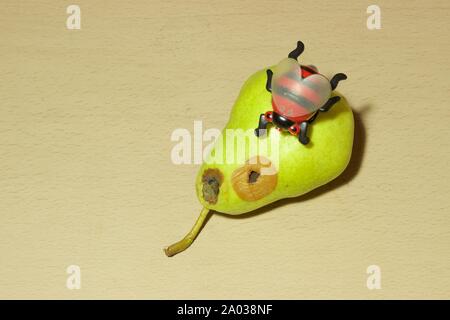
(237, 187)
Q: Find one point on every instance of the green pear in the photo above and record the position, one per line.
(280, 168)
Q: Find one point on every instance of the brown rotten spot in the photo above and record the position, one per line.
(256, 179)
(211, 180)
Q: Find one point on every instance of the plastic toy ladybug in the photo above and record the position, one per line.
(299, 93)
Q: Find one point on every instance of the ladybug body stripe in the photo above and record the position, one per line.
(310, 83)
(299, 90)
(290, 109)
(296, 100)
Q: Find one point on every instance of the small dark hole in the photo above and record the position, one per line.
(253, 176)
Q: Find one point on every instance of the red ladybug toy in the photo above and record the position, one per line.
(299, 93)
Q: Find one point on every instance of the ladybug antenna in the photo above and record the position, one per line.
(335, 80)
(294, 54)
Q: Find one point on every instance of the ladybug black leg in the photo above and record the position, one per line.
(294, 54)
(269, 80)
(303, 136)
(335, 80)
(262, 126)
(327, 106)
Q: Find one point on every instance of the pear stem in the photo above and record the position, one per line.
(184, 243)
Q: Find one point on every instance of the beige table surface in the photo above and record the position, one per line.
(85, 171)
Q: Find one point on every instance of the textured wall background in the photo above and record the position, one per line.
(85, 170)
